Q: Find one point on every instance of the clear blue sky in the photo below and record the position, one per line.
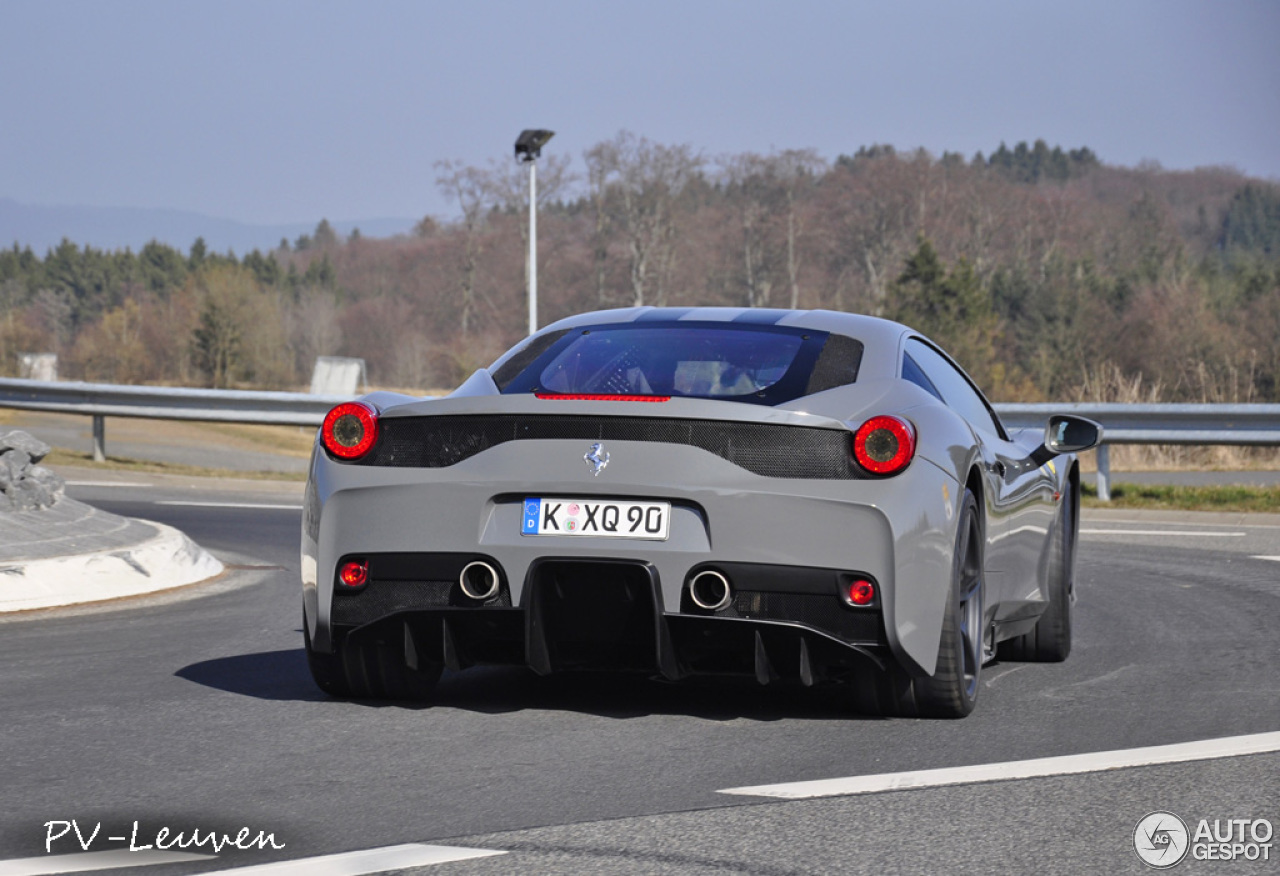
(272, 112)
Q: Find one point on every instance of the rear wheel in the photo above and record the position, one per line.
(1049, 641)
(369, 668)
(326, 669)
(952, 690)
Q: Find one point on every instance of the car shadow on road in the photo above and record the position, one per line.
(283, 676)
(268, 675)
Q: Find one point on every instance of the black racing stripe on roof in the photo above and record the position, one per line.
(761, 316)
(664, 314)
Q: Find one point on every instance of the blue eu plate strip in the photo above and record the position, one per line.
(532, 509)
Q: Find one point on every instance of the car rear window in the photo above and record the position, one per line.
(756, 364)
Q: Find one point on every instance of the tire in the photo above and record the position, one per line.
(952, 690)
(1049, 641)
(369, 668)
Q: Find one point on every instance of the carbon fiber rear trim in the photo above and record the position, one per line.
(821, 611)
(765, 449)
(381, 598)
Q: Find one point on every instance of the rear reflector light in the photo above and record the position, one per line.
(861, 593)
(354, 573)
(350, 430)
(884, 445)
(594, 397)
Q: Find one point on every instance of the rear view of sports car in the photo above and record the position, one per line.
(790, 496)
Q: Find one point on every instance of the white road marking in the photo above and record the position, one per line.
(1122, 521)
(83, 861)
(1276, 559)
(106, 484)
(1177, 532)
(1209, 749)
(993, 678)
(229, 505)
(369, 861)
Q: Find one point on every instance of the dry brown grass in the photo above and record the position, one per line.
(60, 457)
(1108, 384)
(292, 441)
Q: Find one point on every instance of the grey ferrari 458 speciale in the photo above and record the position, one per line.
(785, 495)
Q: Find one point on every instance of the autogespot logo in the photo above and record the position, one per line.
(1161, 840)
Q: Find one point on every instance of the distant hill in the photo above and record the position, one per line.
(111, 228)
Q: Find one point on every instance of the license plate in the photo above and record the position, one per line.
(651, 520)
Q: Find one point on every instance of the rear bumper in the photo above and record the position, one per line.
(900, 531)
(783, 623)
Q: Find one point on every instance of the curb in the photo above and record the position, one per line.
(169, 559)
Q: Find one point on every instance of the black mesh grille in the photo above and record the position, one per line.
(837, 365)
(526, 357)
(381, 598)
(821, 611)
(763, 448)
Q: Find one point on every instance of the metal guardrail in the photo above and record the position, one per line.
(1257, 425)
(1123, 424)
(1161, 424)
(102, 400)
(168, 402)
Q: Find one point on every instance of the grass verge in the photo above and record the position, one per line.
(1181, 498)
(60, 456)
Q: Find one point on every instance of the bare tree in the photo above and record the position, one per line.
(872, 210)
(469, 187)
(506, 186)
(799, 170)
(766, 194)
(54, 314)
(602, 167)
(750, 189)
(313, 327)
(648, 178)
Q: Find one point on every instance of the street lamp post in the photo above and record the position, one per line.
(528, 149)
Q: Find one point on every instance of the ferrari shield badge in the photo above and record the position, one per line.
(597, 457)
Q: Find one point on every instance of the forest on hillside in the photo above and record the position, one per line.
(1049, 274)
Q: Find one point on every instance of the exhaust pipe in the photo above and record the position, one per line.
(479, 581)
(710, 590)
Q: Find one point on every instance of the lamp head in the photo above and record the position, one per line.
(530, 142)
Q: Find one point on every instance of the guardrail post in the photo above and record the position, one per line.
(1104, 473)
(99, 438)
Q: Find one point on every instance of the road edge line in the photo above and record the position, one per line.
(1071, 764)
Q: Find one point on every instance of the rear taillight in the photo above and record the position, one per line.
(350, 430)
(884, 445)
(860, 592)
(354, 573)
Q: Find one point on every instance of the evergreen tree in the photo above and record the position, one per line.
(266, 270)
(162, 268)
(951, 307)
(1038, 162)
(217, 342)
(321, 273)
(324, 236)
(199, 251)
(1252, 222)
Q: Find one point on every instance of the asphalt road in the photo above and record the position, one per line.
(196, 712)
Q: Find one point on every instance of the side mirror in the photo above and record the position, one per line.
(1069, 434)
